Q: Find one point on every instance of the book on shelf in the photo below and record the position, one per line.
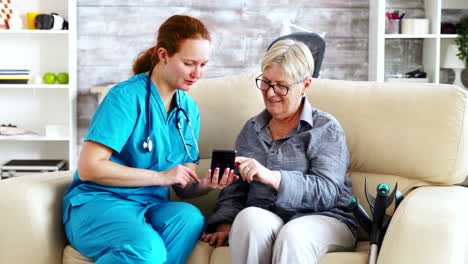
(14, 72)
(14, 81)
(14, 75)
(14, 69)
(15, 131)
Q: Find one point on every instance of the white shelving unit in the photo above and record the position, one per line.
(33, 106)
(434, 43)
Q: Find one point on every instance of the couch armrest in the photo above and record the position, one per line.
(429, 226)
(31, 229)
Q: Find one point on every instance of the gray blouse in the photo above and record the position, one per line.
(313, 160)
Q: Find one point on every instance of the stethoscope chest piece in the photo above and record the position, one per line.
(148, 144)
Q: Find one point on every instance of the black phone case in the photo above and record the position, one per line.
(222, 159)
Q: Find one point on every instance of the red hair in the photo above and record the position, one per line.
(171, 34)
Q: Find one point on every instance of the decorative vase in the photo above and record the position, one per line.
(15, 22)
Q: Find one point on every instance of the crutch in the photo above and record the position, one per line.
(377, 227)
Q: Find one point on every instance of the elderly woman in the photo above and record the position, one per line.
(290, 204)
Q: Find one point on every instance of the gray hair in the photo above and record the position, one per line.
(293, 56)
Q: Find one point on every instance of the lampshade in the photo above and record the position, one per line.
(451, 59)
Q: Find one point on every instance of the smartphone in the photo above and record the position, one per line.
(222, 159)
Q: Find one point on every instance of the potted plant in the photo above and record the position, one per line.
(462, 40)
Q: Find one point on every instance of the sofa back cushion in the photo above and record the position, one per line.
(414, 131)
(225, 105)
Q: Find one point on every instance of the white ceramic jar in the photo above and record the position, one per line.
(415, 26)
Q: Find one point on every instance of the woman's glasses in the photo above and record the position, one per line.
(279, 89)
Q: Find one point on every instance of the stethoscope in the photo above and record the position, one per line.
(148, 143)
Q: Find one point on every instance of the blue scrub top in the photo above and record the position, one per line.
(120, 123)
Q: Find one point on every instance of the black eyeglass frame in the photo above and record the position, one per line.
(273, 85)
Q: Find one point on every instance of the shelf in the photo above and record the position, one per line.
(396, 53)
(35, 105)
(448, 36)
(29, 138)
(33, 32)
(430, 36)
(408, 36)
(34, 86)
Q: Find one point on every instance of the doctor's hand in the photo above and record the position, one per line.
(217, 238)
(252, 170)
(179, 175)
(214, 183)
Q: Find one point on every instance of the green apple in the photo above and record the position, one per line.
(49, 78)
(62, 77)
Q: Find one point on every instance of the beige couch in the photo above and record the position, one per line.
(411, 133)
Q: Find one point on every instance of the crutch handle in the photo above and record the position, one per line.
(361, 215)
(383, 190)
(380, 206)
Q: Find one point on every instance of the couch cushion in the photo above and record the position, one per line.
(225, 105)
(413, 131)
(204, 253)
(360, 256)
(345, 257)
(220, 255)
(200, 255)
(71, 256)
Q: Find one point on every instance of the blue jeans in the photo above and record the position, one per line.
(113, 230)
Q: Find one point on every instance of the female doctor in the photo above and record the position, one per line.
(141, 140)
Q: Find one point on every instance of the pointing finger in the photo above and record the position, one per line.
(192, 174)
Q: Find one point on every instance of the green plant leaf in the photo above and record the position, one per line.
(462, 41)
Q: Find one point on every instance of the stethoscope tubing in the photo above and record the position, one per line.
(179, 128)
(147, 143)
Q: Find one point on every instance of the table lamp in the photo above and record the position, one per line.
(452, 61)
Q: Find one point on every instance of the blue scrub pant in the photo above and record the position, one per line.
(112, 230)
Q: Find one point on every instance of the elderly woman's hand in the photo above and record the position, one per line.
(218, 238)
(252, 170)
(214, 182)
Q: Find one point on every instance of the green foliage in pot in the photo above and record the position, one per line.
(462, 40)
